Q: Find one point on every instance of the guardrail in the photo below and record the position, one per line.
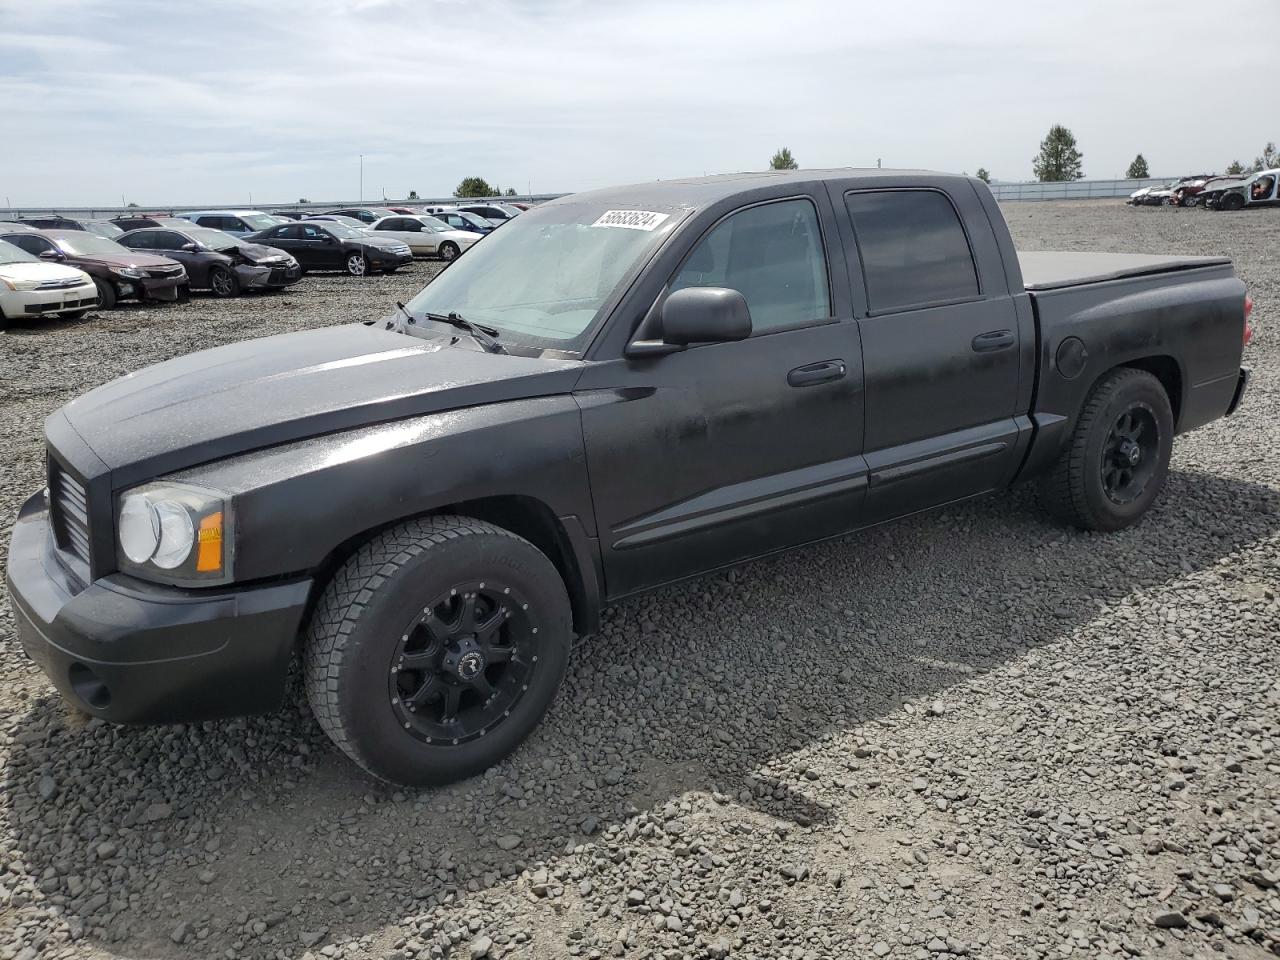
(91, 213)
(1074, 189)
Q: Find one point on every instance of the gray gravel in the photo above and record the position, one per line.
(968, 734)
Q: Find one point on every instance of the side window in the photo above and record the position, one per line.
(164, 240)
(141, 241)
(33, 245)
(313, 233)
(394, 223)
(913, 248)
(288, 233)
(773, 256)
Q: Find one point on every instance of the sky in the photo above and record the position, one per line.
(268, 101)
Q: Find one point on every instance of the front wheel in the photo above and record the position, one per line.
(357, 265)
(106, 294)
(223, 282)
(449, 251)
(1118, 457)
(437, 648)
(1233, 201)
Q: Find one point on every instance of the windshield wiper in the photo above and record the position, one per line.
(483, 335)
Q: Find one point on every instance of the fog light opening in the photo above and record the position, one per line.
(88, 687)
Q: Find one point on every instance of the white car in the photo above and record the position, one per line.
(426, 236)
(31, 287)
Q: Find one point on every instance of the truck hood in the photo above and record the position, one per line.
(260, 393)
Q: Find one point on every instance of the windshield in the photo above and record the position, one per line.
(434, 225)
(545, 275)
(472, 218)
(11, 254)
(342, 231)
(84, 243)
(258, 221)
(213, 239)
(102, 228)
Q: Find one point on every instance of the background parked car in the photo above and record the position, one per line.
(118, 273)
(1262, 189)
(13, 226)
(461, 220)
(351, 222)
(426, 236)
(325, 245)
(139, 220)
(238, 223)
(290, 214)
(495, 213)
(103, 228)
(364, 214)
(217, 261)
(30, 287)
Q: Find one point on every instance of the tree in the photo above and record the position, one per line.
(474, 187)
(1235, 168)
(1058, 158)
(1138, 170)
(511, 192)
(783, 160)
(1269, 159)
(983, 175)
(413, 195)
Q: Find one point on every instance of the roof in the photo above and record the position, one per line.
(702, 191)
(223, 213)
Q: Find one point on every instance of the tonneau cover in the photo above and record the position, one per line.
(1051, 270)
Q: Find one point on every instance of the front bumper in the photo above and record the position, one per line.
(161, 288)
(133, 652)
(253, 277)
(34, 303)
(386, 258)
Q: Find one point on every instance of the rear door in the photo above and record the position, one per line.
(940, 343)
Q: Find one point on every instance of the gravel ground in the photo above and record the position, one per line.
(971, 733)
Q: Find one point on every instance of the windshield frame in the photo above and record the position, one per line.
(582, 342)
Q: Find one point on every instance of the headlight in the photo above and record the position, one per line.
(133, 273)
(20, 284)
(175, 532)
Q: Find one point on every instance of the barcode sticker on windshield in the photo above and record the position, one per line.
(631, 219)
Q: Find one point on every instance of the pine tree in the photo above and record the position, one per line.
(1058, 158)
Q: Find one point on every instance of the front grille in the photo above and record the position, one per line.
(164, 271)
(69, 511)
(62, 284)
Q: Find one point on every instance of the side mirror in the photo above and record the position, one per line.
(191, 247)
(50, 255)
(698, 315)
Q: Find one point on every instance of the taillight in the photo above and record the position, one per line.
(1248, 309)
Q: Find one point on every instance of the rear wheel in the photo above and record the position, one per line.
(106, 294)
(437, 648)
(1118, 457)
(449, 250)
(223, 282)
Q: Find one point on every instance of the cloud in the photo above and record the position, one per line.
(207, 102)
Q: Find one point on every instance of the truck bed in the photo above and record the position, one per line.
(1052, 270)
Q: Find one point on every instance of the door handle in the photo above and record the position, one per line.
(821, 372)
(992, 340)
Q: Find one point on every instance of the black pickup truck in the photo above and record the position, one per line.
(617, 390)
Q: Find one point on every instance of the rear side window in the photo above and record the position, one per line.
(143, 241)
(913, 248)
(771, 254)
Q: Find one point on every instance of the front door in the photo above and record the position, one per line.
(726, 451)
(941, 341)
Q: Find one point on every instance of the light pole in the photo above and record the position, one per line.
(360, 199)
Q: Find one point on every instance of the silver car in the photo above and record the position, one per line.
(426, 236)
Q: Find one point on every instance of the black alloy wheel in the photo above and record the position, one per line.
(465, 662)
(1130, 454)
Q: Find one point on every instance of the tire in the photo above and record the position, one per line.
(401, 600)
(223, 282)
(184, 294)
(357, 265)
(1189, 201)
(448, 251)
(106, 294)
(1087, 487)
(1233, 201)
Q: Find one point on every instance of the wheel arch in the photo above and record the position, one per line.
(1165, 369)
(525, 516)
